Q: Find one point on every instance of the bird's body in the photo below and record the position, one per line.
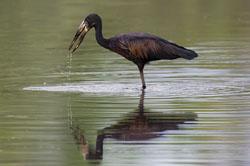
(139, 48)
(143, 47)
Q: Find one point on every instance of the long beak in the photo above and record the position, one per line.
(81, 31)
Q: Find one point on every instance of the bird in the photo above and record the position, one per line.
(140, 48)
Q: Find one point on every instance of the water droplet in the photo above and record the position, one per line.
(69, 65)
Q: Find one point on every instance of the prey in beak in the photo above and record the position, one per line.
(81, 31)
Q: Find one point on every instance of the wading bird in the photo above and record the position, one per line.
(139, 48)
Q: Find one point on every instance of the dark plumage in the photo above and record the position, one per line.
(139, 48)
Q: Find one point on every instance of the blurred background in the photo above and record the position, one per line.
(89, 109)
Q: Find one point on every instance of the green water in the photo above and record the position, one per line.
(90, 110)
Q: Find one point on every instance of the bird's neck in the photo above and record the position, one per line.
(99, 37)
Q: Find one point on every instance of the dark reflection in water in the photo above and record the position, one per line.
(142, 124)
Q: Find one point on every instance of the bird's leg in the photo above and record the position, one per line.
(141, 66)
(142, 79)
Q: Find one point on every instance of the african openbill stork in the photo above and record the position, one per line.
(139, 48)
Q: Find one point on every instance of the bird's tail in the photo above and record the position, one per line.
(184, 52)
(188, 54)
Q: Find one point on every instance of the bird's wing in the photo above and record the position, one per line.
(146, 47)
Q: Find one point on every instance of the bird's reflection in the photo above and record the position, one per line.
(141, 124)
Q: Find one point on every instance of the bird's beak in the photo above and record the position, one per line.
(81, 31)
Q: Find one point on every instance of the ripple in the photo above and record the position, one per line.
(88, 88)
(177, 89)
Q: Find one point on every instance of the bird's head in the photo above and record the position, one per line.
(89, 22)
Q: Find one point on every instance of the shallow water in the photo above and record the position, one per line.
(90, 110)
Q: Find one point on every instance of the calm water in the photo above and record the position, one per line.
(90, 110)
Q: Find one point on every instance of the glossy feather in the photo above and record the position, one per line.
(143, 47)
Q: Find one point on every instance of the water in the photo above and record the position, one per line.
(89, 109)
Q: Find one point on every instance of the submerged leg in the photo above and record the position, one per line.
(141, 66)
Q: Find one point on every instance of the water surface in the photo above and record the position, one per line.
(90, 110)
